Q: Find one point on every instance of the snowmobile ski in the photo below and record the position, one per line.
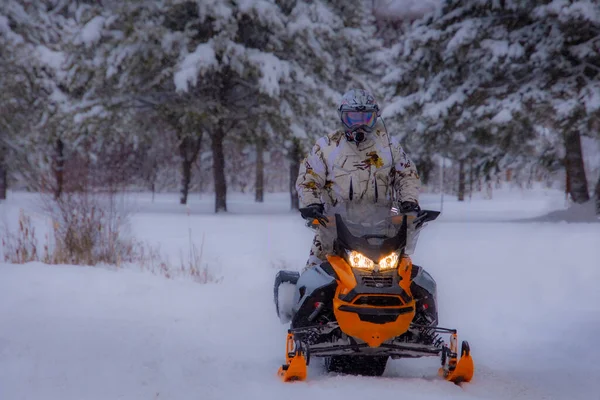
(296, 361)
(457, 370)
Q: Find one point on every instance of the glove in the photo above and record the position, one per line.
(314, 211)
(409, 206)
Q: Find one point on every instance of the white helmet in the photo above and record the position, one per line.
(358, 112)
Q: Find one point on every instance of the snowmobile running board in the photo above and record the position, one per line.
(453, 369)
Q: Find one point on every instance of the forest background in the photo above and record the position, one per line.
(218, 96)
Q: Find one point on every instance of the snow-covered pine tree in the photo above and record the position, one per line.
(447, 84)
(334, 44)
(31, 37)
(309, 104)
(481, 75)
(569, 65)
(199, 64)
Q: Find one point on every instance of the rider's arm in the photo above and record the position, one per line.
(312, 176)
(407, 183)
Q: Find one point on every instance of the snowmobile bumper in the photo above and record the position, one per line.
(391, 349)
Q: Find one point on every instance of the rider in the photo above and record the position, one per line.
(357, 163)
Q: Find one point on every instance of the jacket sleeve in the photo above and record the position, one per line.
(407, 183)
(312, 176)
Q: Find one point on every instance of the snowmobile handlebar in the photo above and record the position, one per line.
(418, 218)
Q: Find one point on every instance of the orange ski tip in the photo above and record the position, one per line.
(463, 369)
(463, 372)
(295, 370)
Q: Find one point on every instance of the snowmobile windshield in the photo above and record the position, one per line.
(374, 230)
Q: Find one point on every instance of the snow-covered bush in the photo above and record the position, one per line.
(21, 246)
(191, 266)
(87, 229)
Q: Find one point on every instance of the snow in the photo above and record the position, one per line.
(169, 40)
(313, 17)
(576, 213)
(502, 117)
(404, 9)
(441, 109)
(273, 70)
(501, 48)
(524, 293)
(92, 31)
(397, 106)
(217, 9)
(54, 59)
(591, 98)
(564, 108)
(193, 64)
(7, 32)
(94, 111)
(266, 11)
(466, 32)
(4, 27)
(584, 10)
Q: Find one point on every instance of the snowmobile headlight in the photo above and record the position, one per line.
(358, 260)
(389, 262)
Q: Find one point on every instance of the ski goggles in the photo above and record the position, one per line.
(356, 119)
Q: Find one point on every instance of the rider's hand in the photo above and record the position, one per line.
(409, 206)
(314, 211)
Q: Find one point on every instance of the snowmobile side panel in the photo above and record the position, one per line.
(426, 281)
(282, 279)
(405, 271)
(344, 273)
(284, 301)
(313, 285)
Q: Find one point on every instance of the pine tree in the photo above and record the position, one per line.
(482, 79)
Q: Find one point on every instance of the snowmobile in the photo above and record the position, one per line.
(368, 302)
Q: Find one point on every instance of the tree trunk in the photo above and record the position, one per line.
(260, 171)
(3, 182)
(219, 170)
(186, 171)
(598, 196)
(295, 157)
(425, 167)
(489, 187)
(59, 168)
(461, 180)
(471, 179)
(189, 147)
(567, 182)
(575, 168)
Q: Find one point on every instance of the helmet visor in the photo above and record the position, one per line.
(355, 119)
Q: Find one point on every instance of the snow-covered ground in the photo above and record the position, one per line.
(525, 294)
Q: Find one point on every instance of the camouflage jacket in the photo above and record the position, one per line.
(337, 171)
